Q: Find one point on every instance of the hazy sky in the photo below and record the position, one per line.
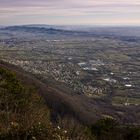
(81, 12)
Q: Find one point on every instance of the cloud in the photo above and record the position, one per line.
(69, 3)
(72, 11)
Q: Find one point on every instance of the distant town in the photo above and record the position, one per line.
(96, 67)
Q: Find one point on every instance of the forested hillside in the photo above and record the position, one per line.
(25, 115)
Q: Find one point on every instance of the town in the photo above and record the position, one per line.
(99, 68)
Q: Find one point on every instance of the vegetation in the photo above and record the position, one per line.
(109, 129)
(23, 114)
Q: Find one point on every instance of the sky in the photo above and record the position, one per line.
(70, 12)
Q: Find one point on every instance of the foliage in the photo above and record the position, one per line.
(108, 129)
(23, 113)
(25, 116)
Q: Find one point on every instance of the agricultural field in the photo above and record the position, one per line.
(102, 68)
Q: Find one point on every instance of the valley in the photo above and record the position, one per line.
(98, 74)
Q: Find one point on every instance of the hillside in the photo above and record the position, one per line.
(25, 115)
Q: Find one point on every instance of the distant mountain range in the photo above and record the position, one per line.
(131, 34)
(124, 30)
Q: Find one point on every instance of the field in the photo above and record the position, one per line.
(98, 73)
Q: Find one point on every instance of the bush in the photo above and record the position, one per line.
(23, 114)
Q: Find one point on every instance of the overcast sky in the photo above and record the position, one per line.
(70, 12)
